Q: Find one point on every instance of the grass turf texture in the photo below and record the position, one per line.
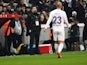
(69, 58)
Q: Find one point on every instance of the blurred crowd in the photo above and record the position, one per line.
(76, 10)
(44, 7)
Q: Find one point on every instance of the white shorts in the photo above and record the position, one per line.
(59, 35)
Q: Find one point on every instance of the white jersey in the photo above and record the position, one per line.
(58, 18)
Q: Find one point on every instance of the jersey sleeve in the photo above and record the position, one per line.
(49, 21)
(66, 20)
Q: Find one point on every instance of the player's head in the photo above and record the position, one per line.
(59, 5)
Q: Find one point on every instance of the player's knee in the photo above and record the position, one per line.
(61, 41)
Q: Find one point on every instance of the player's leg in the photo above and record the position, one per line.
(60, 48)
(61, 38)
(55, 38)
(56, 46)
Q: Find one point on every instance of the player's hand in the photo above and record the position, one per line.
(44, 29)
(29, 31)
(51, 28)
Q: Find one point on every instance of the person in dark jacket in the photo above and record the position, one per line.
(33, 25)
(80, 12)
(14, 35)
(73, 35)
(21, 3)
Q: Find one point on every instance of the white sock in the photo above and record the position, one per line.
(56, 47)
(60, 47)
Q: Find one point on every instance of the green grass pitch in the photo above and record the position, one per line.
(69, 58)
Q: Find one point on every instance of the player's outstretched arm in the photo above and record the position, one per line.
(48, 22)
(66, 20)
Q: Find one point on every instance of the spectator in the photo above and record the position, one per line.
(9, 9)
(34, 2)
(45, 14)
(68, 9)
(8, 32)
(80, 12)
(2, 20)
(18, 9)
(43, 19)
(73, 34)
(84, 4)
(23, 9)
(4, 9)
(52, 5)
(46, 7)
(74, 16)
(12, 4)
(65, 4)
(21, 3)
(1, 2)
(24, 12)
(74, 2)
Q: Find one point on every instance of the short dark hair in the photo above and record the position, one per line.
(33, 6)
